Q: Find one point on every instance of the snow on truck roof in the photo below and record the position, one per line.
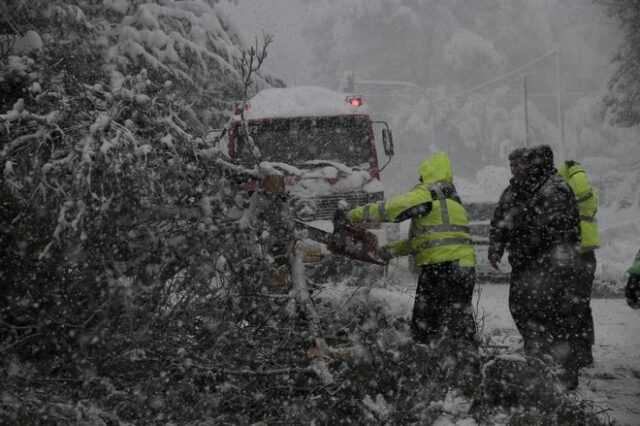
(300, 102)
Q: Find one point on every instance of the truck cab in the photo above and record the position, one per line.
(323, 141)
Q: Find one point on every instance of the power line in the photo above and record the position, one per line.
(392, 83)
(474, 95)
(500, 77)
(464, 92)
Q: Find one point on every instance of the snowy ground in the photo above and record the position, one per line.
(612, 384)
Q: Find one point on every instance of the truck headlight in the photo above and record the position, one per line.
(305, 209)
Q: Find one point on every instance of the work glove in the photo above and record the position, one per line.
(384, 253)
(273, 185)
(494, 259)
(341, 217)
(340, 223)
(632, 291)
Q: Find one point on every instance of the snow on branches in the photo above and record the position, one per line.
(112, 199)
(176, 37)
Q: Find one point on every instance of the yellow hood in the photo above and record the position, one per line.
(436, 168)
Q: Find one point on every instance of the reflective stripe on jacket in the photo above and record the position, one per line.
(587, 199)
(439, 229)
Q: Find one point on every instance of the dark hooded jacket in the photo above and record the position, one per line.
(508, 230)
(552, 216)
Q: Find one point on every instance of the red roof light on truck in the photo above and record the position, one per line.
(355, 101)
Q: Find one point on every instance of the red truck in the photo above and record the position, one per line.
(322, 140)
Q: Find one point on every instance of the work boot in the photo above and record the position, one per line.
(589, 361)
(586, 356)
(585, 359)
(569, 377)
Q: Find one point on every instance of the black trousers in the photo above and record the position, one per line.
(532, 303)
(551, 309)
(442, 305)
(517, 303)
(579, 326)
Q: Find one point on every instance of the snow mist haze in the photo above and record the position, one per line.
(154, 266)
(450, 75)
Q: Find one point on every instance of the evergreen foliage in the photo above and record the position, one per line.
(114, 208)
(622, 100)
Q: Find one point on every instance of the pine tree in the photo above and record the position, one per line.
(114, 197)
(621, 103)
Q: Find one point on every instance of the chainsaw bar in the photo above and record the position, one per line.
(314, 233)
(349, 240)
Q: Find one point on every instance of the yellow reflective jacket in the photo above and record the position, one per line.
(587, 199)
(439, 230)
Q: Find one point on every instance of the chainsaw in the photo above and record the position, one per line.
(347, 239)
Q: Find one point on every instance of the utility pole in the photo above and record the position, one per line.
(351, 82)
(563, 150)
(526, 114)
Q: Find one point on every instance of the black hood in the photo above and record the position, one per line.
(518, 153)
(540, 159)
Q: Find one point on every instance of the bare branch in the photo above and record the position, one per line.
(252, 59)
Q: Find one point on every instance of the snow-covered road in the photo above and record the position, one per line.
(613, 383)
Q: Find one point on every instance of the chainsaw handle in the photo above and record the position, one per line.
(340, 218)
(340, 223)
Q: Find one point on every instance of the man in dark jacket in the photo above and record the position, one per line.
(508, 212)
(546, 294)
(509, 232)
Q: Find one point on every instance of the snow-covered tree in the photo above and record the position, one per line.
(122, 228)
(113, 198)
(622, 100)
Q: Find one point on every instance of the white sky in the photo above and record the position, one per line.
(283, 19)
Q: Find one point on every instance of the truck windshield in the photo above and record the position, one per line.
(341, 139)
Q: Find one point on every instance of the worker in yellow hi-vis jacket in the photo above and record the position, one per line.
(587, 200)
(440, 244)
